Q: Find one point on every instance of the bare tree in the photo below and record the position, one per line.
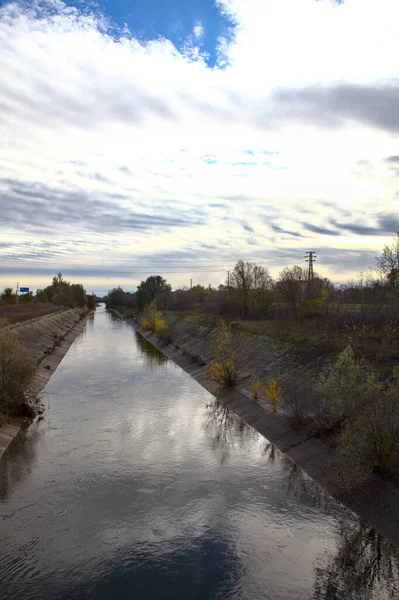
(292, 286)
(388, 262)
(246, 277)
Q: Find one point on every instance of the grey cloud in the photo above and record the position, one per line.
(248, 228)
(38, 207)
(392, 159)
(334, 106)
(278, 229)
(386, 224)
(321, 230)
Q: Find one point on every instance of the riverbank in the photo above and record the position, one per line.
(375, 499)
(47, 339)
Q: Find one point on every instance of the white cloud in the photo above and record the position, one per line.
(87, 115)
(198, 31)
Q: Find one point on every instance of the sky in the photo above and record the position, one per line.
(174, 138)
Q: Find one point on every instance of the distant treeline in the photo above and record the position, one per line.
(60, 292)
(253, 294)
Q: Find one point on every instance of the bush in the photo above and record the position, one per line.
(346, 390)
(224, 366)
(301, 399)
(26, 298)
(273, 392)
(371, 438)
(153, 321)
(256, 389)
(16, 373)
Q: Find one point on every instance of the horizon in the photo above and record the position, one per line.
(175, 140)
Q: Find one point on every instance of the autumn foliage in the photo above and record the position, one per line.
(224, 366)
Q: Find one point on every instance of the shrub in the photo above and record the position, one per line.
(256, 389)
(371, 437)
(273, 392)
(8, 296)
(153, 321)
(16, 372)
(348, 387)
(301, 399)
(224, 366)
(26, 298)
(165, 337)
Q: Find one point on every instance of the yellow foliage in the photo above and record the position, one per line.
(274, 393)
(145, 323)
(224, 366)
(153, 321)
(256, 389)
(160, 326)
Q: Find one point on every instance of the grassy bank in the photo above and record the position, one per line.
(24, 312)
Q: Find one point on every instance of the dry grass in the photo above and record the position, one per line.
(23, 312)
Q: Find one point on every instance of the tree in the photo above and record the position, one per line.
(8, 296)
(246, 277)
(388, 262)
(41, 296)
(26, 298)
(78, 295)
(224, 368)
(291, 286)
(148, 290)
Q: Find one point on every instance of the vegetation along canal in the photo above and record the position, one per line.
(139, 484)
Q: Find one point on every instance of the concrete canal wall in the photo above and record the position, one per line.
(376, 500)
(47, 339)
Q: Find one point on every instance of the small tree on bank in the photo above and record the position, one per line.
(224, 369)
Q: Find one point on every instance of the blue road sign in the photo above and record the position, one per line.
(24, 290)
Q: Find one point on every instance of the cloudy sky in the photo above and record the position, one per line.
(150, 137)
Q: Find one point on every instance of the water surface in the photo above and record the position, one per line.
(138, 485)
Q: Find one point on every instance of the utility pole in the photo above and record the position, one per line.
(310, 258)
(191, 284)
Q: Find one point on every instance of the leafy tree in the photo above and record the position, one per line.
(78, 295)
(26, 298)
(41, 296)
(246, 277)
(91, 301)
(149, 289)
(118, 297)
(348, 388)
(8, 296)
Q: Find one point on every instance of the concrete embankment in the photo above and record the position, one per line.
(47, 339)
(376, 499)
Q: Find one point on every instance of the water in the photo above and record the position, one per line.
(138, 485)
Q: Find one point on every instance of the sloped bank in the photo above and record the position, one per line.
(47, 339)
(376, 500)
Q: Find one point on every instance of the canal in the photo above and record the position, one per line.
(138, 484)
